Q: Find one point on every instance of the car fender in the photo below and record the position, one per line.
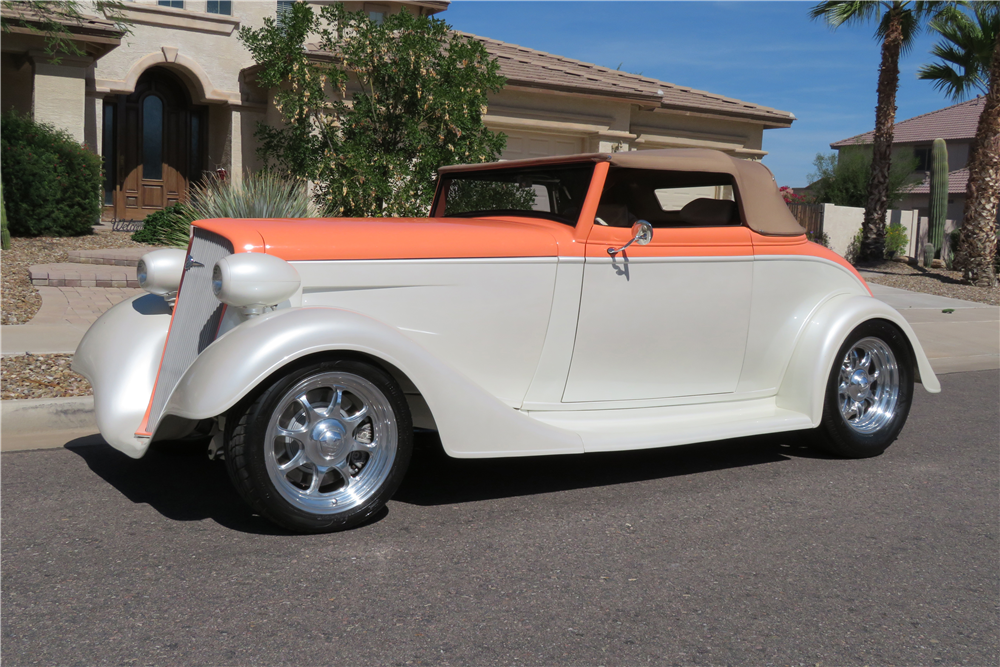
(120, 356)
(803, 386)
(247, 355)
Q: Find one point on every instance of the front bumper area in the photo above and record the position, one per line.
(120, 356)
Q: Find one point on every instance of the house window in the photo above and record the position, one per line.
(923, 156)
(176, 4)
(108, 152)
(284, 9)
(152, 138)
(376, 13)
(220, 7)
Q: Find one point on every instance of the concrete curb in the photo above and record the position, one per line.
(38, 415)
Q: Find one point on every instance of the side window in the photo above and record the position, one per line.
(668, 199)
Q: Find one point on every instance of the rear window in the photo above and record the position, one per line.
(555, 192)
(668, 199)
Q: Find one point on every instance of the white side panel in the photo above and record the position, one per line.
(486, 317)
(550, 377)
(786, 291)
(660, 327)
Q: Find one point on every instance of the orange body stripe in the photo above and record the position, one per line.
(673, 242)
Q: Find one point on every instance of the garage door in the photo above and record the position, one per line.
(521, 145)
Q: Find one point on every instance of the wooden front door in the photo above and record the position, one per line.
(160, 138)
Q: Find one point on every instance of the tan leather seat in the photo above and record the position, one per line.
(706, 212)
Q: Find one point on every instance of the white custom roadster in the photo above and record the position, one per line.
(578, 304)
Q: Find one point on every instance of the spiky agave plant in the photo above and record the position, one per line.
(260, 195)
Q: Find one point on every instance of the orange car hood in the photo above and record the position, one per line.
(393, 238)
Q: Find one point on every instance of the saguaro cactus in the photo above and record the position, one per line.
(939, 194)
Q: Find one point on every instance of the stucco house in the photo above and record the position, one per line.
(957, 126)
(176, 99)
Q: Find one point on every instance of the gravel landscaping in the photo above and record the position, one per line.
(19, 300)
(40, 376)
(940, 282)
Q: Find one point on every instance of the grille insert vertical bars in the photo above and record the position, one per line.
(196, 319)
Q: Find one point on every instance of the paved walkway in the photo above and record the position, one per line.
(65, 315)
(965, 339)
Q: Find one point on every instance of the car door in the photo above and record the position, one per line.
(663, 320)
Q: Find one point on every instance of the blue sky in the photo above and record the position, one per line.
(768, 53)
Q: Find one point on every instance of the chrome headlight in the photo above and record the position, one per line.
(159, 272)
(254, 280)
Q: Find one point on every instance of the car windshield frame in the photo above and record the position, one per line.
(566, 184)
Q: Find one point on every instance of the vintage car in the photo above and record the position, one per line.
(587, 303)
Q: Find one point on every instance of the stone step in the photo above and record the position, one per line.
(109, 256)
(82, 275)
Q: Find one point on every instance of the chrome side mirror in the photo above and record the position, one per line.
(642, 233)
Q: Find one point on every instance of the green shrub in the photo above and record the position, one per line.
(896, 239)
(822, 239)
(4, 232)
(854, 247)
(167, 227)
(52, 184)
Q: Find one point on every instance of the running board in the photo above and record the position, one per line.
(644, 428)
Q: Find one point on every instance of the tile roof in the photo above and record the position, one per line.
(537, 69)
(957, 180)
(955, 122)
(531, 68)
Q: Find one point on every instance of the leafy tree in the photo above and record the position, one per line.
(372, 115)
(54, 20)
(898, 23)
(843, 179)
(970, 61)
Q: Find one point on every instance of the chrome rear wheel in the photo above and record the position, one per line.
(869, 385)
(868, 391)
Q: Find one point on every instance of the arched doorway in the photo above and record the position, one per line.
(153, 146)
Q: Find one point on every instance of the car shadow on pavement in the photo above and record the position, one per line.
(436, 479)
(177, 480)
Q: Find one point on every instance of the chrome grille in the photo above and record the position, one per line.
(196, 319)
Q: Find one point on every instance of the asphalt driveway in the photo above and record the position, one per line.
(752, 551)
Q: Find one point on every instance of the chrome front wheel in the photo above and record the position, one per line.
(323, 448)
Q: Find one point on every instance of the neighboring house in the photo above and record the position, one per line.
(957, 126)
(176, 99)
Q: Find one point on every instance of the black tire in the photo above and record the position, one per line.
(250, 452)
(849, 437)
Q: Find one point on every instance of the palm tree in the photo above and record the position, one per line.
(970, 52)
(898, 24)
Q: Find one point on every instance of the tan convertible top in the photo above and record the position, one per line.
(766, 212)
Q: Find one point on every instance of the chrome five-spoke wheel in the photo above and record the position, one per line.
(330, 443)
(869, 385)
(324, 447)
